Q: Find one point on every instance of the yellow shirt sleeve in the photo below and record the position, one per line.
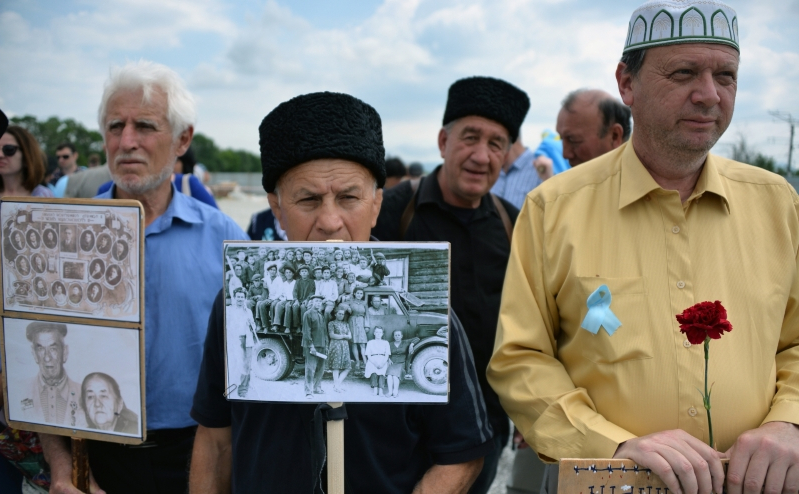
(557, 418)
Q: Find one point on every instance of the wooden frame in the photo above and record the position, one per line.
(115, 304)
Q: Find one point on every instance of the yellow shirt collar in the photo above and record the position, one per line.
(636, 182)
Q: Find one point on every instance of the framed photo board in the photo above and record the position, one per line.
(311, 322)
(72, 332)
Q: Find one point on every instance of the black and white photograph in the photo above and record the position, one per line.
(75, 294)
(311, 322)
(73, 270)
(95, 293)
(40, 287)
(70, 246)
(50, 237)
(113, 275)
(17, 240)
(87, 240)
(34, 239)
(104, 243)
(38, 263)
(80, 377)
(59, 293)
(23, 266)
(96, 269)
(68, 239)
(120, 250)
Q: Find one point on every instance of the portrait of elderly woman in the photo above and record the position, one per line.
(104, 407)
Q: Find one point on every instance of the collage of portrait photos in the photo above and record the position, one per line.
(71, 259)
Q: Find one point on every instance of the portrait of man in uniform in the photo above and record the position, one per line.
(34, 240)
(40, 287)
(50, 238)
(95, 293)
(68, 240)
(120, 250)
(23, 265)
(52, 398)
(103, 243)
(39, 264)
(96, 269)
(75, 294)
(112, 275)
(87, 241)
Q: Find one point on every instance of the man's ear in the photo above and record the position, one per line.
(378, 202)
(184, 141)
(616, 135)
(274, 203)
(625, 83)
(442, 140)
(66, 353)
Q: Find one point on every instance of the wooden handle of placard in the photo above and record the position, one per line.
(335, 454)
(80, 465)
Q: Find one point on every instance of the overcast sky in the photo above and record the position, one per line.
(242, 58)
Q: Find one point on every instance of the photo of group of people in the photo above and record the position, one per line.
(66, 258)
(64, 375)
(358, 312)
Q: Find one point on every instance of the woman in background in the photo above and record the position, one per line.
(22, 164)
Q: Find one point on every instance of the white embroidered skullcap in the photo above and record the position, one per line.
(668, 22)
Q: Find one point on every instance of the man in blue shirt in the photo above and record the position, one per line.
(147, 121)
(521, 172)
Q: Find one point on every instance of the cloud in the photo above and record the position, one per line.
(401, 59)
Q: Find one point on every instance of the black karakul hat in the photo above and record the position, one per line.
(321, 126)
(490, 98)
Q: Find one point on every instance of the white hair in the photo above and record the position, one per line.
(145, 75)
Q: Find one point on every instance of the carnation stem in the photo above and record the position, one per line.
(706, 398)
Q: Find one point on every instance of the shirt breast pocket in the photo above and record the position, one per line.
(632, 340)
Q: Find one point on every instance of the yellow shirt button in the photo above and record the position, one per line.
(675, 229)
(692, 412)
(680, 284)
(686, 344)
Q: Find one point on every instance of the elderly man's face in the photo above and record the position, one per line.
(101, 402)
(683, 97)
(579, 128)
(50, 353)
(139, 143)
(327, 199)
(473, 153)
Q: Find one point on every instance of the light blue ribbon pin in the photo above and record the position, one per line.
(599, 313)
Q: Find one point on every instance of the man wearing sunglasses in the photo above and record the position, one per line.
(67, 157)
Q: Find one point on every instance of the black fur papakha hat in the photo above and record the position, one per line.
(490, 98)
(321, 126)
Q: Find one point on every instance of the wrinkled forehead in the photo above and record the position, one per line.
(326, 176)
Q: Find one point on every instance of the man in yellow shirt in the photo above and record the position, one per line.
(664, 225)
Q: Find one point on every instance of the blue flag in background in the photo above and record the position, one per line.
(552, 147)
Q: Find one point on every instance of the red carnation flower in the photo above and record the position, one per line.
(704, 320)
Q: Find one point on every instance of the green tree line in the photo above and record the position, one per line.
(53, 131)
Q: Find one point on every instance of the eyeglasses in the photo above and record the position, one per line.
(63, 156)
(10, 150)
